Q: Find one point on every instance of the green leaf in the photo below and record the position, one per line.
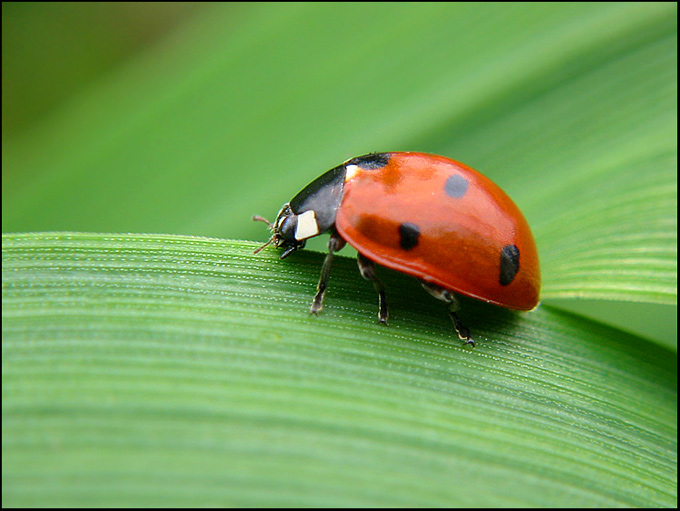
(168, 370)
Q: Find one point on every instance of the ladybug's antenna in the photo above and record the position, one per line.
(258, 218)
(271, 240)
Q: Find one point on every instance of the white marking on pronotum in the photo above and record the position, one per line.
(306, 225)
(351, 171)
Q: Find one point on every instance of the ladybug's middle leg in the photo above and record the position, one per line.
(447, 296)
(367, 269)
(335, 243)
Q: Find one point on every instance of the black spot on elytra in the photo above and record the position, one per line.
(371, 161)
(408, 235)
(456, 186)
(509, 264)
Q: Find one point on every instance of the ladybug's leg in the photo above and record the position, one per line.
(447, 296)
(367, 269)
(335, 243)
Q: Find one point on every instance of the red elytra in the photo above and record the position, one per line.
(464, 221)
(423, 215)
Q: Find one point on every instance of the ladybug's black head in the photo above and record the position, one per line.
(284, 229)
(310, 213)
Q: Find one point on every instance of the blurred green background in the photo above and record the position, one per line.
(189, 118)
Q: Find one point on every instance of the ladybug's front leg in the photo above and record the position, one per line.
(447, 296)
(367, 269)
(335, 243)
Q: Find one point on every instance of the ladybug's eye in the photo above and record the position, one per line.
(286, 226)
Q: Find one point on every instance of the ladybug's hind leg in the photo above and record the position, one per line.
(447, 296)
(335, 243)
(367, 269)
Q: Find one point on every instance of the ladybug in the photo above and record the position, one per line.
(421, 214)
